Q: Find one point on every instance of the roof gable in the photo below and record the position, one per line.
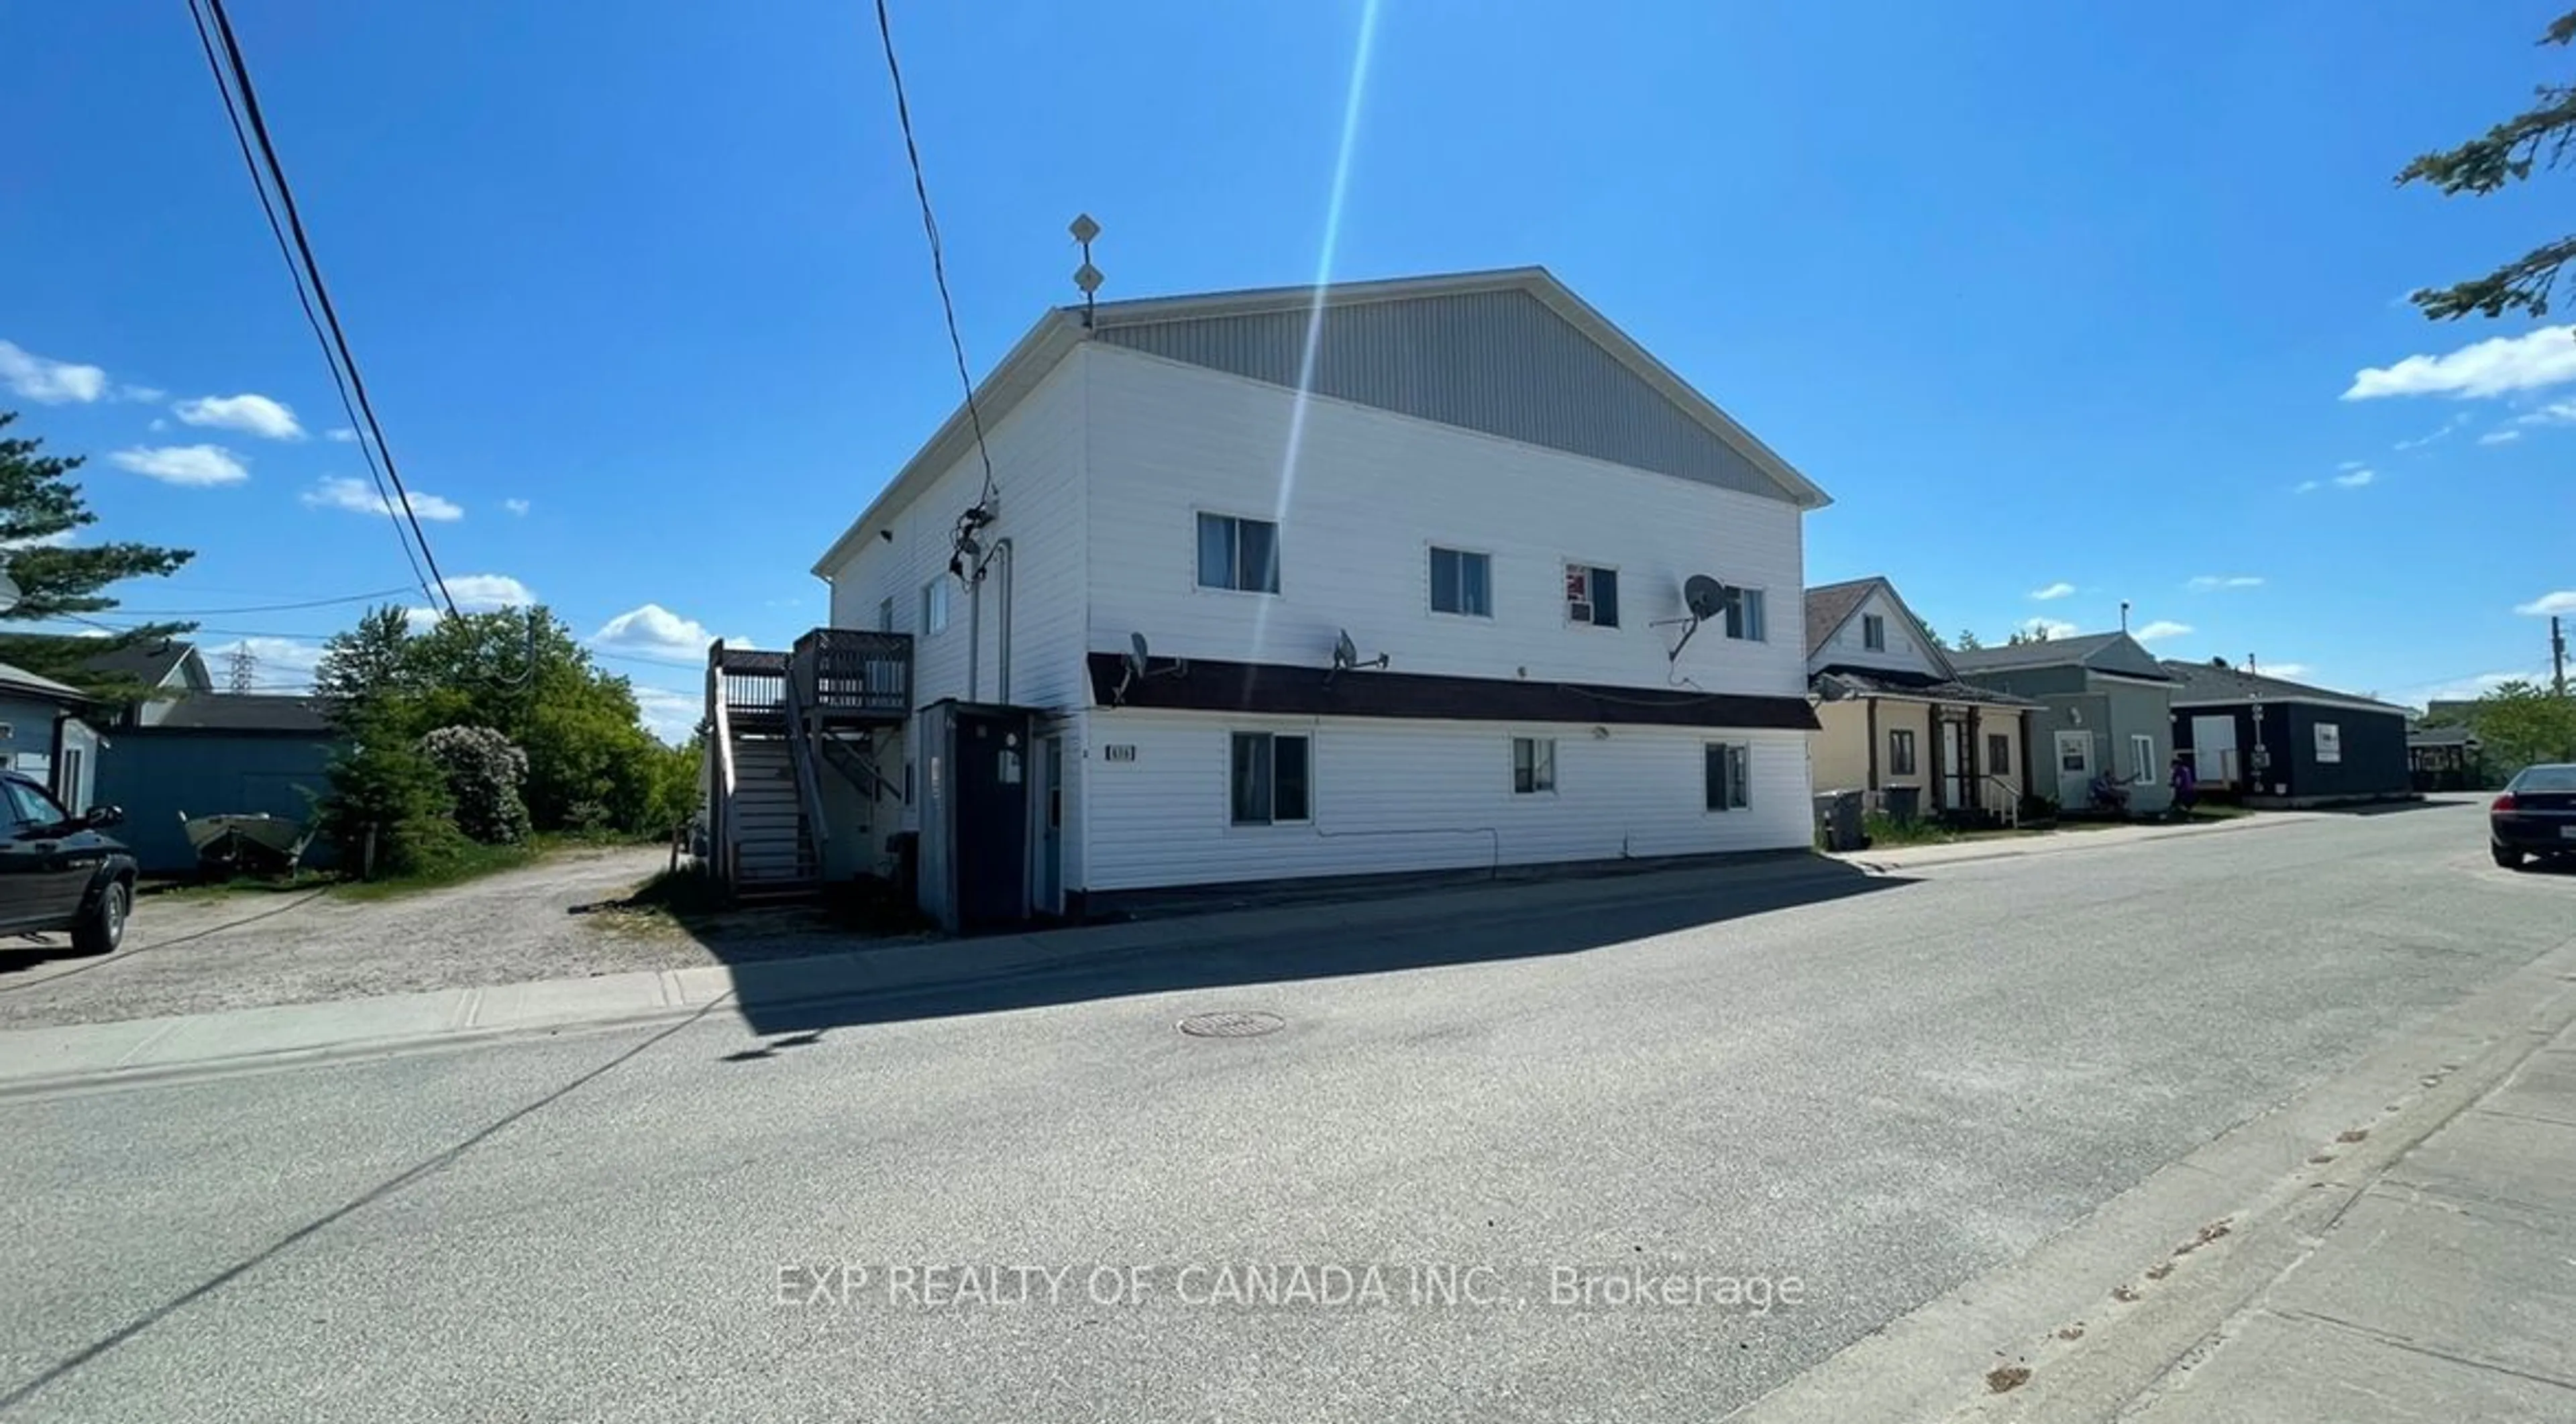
(1512, 354)
(1832, 607)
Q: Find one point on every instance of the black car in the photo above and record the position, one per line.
(2536, 815)
(58, 873)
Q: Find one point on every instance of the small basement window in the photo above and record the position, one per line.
(1592, 595)
(1271, 779)
(1533, 765)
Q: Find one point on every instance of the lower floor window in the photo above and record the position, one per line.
(1533, 765)
(1270, 779)
(1727, 767)
(1998, 754)
(2142, 754)
(1900, 752)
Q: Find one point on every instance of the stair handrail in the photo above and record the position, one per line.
(2007, 793)
(800, 755)
(720, 746)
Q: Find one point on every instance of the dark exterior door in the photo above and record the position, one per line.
(992, 825)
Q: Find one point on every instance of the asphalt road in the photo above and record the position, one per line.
(1878, 1095)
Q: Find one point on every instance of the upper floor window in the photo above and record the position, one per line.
(1592, 595)
(1744, 617)
(1873, 632)
(1238, 553)
(885, 616)
(1462, 583)
(934, 607)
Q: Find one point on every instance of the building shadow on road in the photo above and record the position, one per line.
(1277, 944)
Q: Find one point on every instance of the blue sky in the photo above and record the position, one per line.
(2049, 297)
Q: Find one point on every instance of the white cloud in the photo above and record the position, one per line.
(2060, 589)
(248, 413)
(669, 715)
(2496, 366)
(483, 593)
(359, 497)
(2160, 629)
(2207, 583)
(183, 464)
(2284, 669)
(277, 664)
(2563, 601)
(2349, 465)
(2308, 487)
(144, 394)
(60, 538)
(2050, 628)
(653, 631)
(47, 381)
(2467, 688)
(2499, 437)
(342, 434)
(2356, 479)
(515, 506)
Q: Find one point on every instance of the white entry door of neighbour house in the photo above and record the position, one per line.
(2074, 769)
(2213, 751)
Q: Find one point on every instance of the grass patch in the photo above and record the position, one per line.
(472, 862)
(185, 890)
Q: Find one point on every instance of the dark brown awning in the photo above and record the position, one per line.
(1274, 689)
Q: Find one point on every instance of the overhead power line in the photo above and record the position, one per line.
(241, 106)
(393, 592)
(930, 229)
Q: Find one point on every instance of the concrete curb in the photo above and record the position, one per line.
(51, 1059)
(2259, 1187)
(1899, 859)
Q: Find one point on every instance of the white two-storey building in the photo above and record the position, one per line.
(1495, 496)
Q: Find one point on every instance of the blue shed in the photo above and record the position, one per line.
(218, 753)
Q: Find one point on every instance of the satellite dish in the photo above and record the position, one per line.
(1136, 655)
(1705, 596)
(8, 593)
(1345, 652)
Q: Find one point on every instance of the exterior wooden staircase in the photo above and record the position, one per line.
(771, 717)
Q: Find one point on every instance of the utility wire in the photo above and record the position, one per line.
(234, 68)
(295, 276)
(930, 229)
(261, 607)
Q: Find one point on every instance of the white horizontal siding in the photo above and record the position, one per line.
(1372, 492)
(1905, 650)
(1037, 473)
(1399, 796)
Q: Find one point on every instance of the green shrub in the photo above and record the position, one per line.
(484, 773)
(378, 785)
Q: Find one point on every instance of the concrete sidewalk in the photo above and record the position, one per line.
(39, 1059)
(2447, 1290)
(2006, 847)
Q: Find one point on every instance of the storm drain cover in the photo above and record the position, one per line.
(1232, 1023)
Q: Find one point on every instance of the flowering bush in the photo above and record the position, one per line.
(484, 773)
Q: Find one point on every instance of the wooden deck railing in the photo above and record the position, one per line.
(844, 671)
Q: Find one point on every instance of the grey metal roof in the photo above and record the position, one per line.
(244, 712)
(2441, 737)
(1837, 682)
(2055, 652)
(2205, 682)
(17, 679)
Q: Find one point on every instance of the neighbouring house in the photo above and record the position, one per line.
(216, 753)
(2445, 757)
(1379, 577)
(1895, 721)
(2105, 710)
(168, 670)
(45, 733)
(2281, 743)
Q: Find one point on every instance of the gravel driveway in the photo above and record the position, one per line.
(187, 955)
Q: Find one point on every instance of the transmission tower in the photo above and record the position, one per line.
(244, 670)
